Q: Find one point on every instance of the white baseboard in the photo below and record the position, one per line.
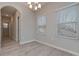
(69, 51)
(26, 42)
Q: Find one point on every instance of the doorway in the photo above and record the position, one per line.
(9, 26)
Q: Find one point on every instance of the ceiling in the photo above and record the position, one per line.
(43, 3)
(11, 10)
(8, 10)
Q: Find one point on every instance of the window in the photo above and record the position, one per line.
(67, 22)
(41, 23)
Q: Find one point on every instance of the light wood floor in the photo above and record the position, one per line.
(30, 49)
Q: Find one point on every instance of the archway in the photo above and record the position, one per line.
(9, 25)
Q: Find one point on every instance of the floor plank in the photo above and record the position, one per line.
(30, 49)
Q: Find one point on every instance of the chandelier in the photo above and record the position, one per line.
(34, 5)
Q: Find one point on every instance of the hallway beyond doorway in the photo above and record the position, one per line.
(9, 25)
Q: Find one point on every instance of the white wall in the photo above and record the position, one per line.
(51, 31)
(26, 23)
(17, 14)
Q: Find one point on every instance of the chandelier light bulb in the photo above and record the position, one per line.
(39, 5)
(35, 7)
(30, 6)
